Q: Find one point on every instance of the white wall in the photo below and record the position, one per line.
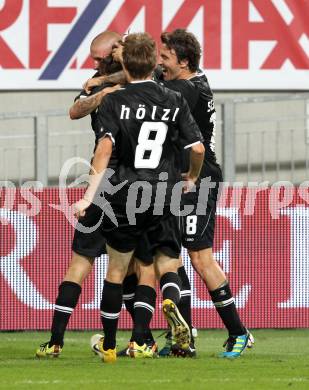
(290, 143)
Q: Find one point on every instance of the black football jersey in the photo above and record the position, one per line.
(199, 96)
(149, 125)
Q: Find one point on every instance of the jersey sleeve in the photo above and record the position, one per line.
(107, 120)
(189, 132)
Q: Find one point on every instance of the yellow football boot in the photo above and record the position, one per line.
(142, 351)
(96, 343)
(45, 351)
(179, 327)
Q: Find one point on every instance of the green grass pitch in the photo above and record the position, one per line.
(279, 360)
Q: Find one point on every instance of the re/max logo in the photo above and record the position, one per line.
(287, 33)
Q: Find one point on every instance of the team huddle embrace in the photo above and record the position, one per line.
(154, 122)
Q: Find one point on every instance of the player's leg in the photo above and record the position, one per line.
(170, 284)
(147, 293)
(66, 301)
(198, 237)
(111, 301)
(184, 306)
(129, 288)
(215, 280)
(144, 267)
(68, 294)
(142, 343)
(165, 240)
(85, 246)
(145, 296)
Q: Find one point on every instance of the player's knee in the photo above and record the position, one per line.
(76, 274)
(81, 263)
(164, 264)
(194, 256)
(116, 274)
(147, 276)
(78, 271)
(201, 260)
(118, 265)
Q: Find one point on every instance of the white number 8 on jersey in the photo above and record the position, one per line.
(154, 146)
(191, 224)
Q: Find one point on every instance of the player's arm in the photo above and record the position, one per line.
(115, 78)
(196, 161)
(190, 137)
(106, 139)
(83, 106)
(99, 164)
(93, 82)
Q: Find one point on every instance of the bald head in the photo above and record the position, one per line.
(102, 45)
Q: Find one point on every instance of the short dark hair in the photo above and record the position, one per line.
(139, 55)
(186, 47)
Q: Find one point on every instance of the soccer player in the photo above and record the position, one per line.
(147, 124)
(85, 246)
(180, 56)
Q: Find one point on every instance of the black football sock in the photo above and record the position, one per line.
(144, 306)
(129, 287)
(224, 302)
(184, 305)
(68, 294)
(170, 286)
(111, 303)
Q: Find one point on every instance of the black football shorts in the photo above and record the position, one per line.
(198, 228)
(90, 244)
(149, 234)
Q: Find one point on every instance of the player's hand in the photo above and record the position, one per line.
(189, 182)
(91, 83)
(80, 207)
(117, 52)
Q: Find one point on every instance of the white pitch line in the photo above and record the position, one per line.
(157, 381)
